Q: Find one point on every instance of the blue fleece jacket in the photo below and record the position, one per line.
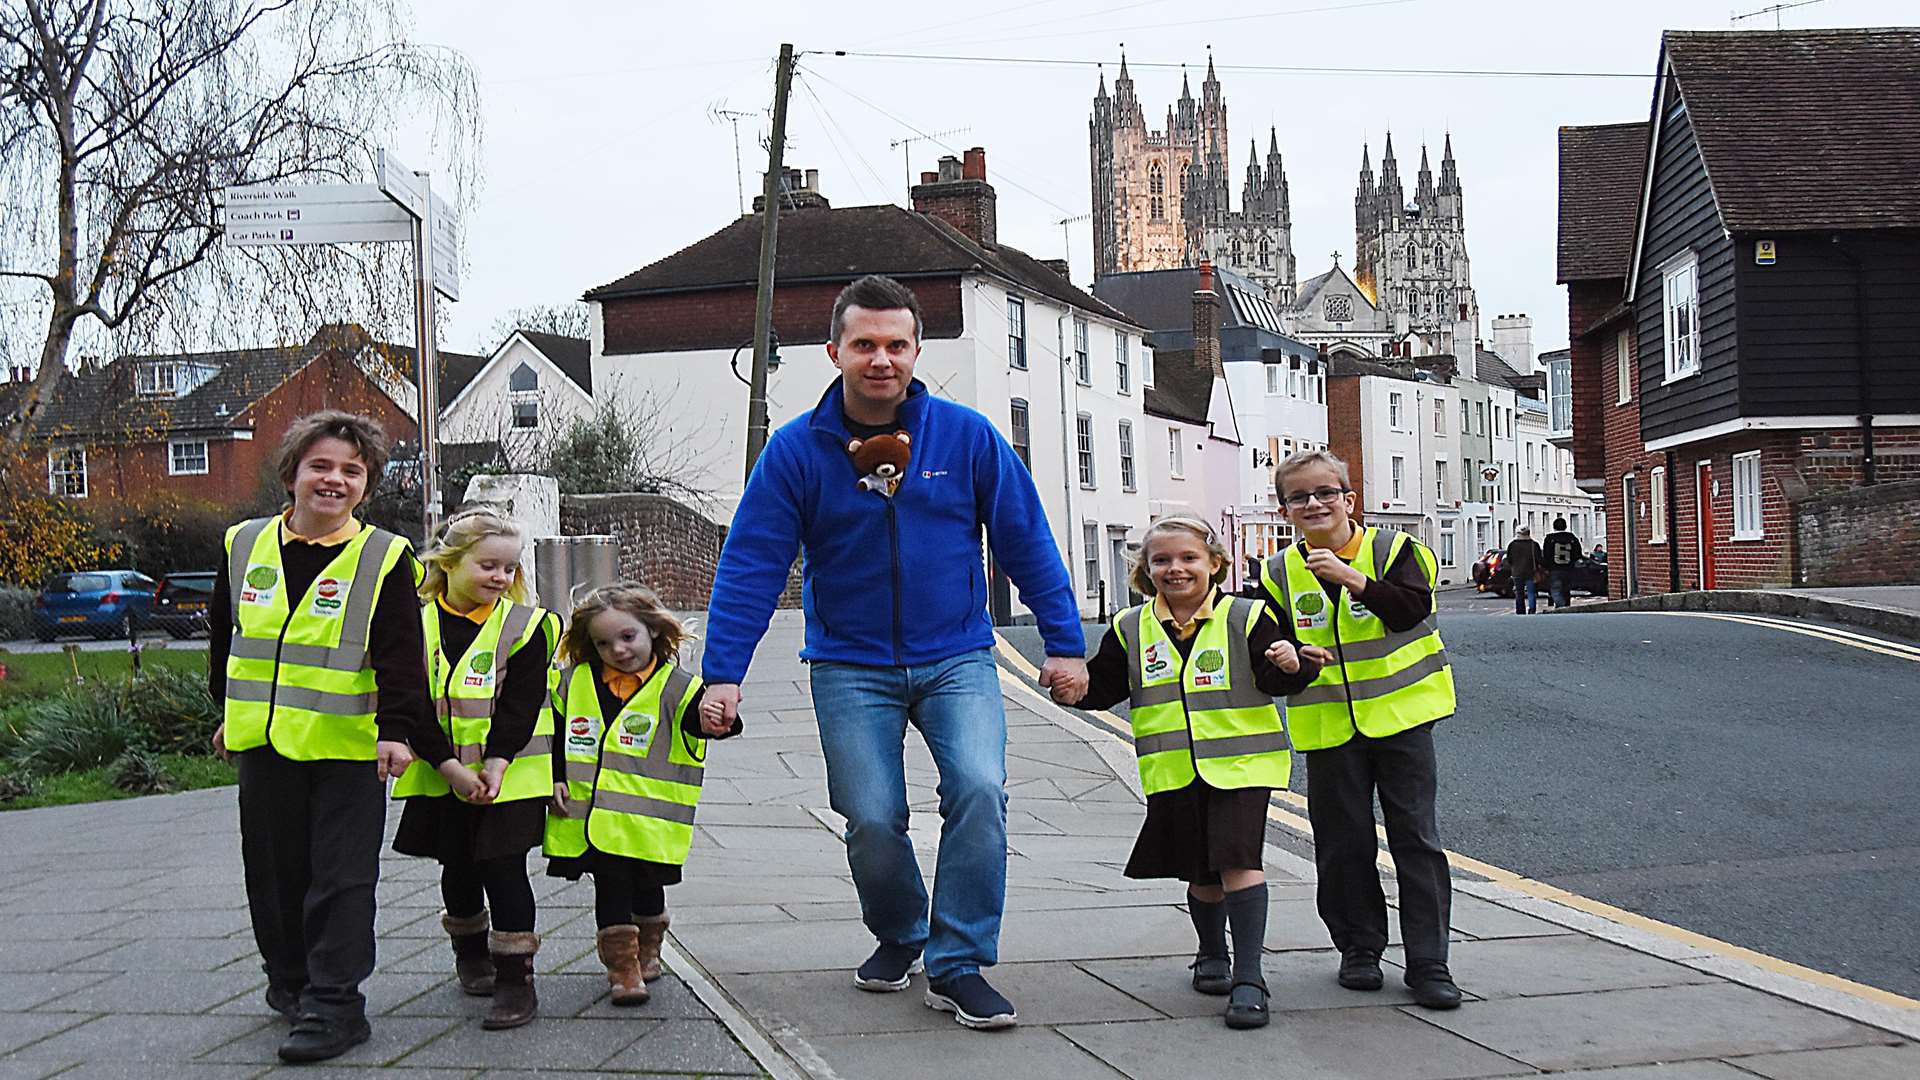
(887, 581)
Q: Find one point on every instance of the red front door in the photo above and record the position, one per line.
(1703, 519)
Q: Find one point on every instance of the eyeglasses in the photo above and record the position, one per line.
(1326, 496)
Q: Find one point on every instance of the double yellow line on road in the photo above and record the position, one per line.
(1825, 633)
(1122, 731)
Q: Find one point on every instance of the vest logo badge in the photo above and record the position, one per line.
(480, 669)
(635, 727)
(1156, 661)
(1310, 610)
(329, 596)
(580, 733)
(1209, 665)
(260, 581)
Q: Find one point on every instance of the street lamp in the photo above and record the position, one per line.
(773, 357)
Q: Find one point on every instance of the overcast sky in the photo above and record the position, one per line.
(602, 155)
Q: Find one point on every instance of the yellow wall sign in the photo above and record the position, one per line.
(1764, 253)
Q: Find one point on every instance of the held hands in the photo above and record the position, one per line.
(719, 708)
(494, 771)
(1327, 566)
(1065, 679)
(470, 786)
(1281, 654)
(560, 799)
(390, 758)
(1319, 655)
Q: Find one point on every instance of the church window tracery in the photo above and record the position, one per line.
(1157, 190)
(1413, 256)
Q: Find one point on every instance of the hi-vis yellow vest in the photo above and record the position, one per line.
(464, 692)
(1385, 682)
(632, 785)
(1202, 713)
(298, 677)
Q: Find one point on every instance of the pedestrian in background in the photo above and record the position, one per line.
(1563, 550)
(1360, 601)
(317, 658)
(1523, 562)
(1201, 670)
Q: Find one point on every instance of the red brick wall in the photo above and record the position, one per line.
(1861, 536)
(723, 318)
(1343, 431)
(1587, 301)
(1622, 451)
(665, 546)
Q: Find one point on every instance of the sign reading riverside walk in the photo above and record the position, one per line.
(400, 207)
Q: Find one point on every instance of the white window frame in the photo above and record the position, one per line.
(1440, 480)
(1749, 520)
(1020, 430)
(1123, 361)
(1657, 499)
(1176, 454)
(1680, 290)
(1623, 368)
(1090, 540)
(174, 446)
(1126, 456)
(1275, 385)
(1396, 410)
(1439, 416)
(1083, 434)
(1448, 552)
(61, 472)
(1082, 364)
(1016, 332)
(1397, 470)
(148, 381)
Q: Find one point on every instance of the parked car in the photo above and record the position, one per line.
(180, 603)
(1589, 576)
(102, 603)
(1486, 566)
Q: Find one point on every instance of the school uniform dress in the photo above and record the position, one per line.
(1194, 832)
(312, 805)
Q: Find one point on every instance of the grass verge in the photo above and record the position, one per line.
(186, 773)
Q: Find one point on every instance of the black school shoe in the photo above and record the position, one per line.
(285, 1001)
(889, 969)
(1360, 970)
(1247, 1006)
(318, 1038)
(1432, 985)
(1212, 975)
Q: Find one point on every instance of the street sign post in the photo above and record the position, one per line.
(398, 207)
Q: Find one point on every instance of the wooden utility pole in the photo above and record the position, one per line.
(769, 239)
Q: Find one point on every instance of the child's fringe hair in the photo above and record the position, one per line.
(456, 537)
(666, 632)
(1142, 581)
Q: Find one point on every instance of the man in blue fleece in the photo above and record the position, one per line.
(895, 595)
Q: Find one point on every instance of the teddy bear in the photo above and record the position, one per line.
(881, 461)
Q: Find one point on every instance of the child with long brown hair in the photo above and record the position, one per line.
(1200, 670)
(627, 782)
(476, 798)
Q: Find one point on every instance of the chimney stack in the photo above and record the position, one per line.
(1206, 323)
(800, 190)
(960, 195)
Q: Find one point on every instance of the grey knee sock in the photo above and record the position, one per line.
(1247, 914)
(1210, 922)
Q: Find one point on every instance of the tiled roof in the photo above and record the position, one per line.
(1601, 168)
(1162, 300)
(1494, 369)
(1181, 389)
(840, 244)
(570, 354)
(1348, 365)
(1806, 129)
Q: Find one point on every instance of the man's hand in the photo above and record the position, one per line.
(1064, 678)
(390, 758)
(1327, 566)
(220, 743)
(724, 699)
(1319, 655)
(560, 799)
(493, 773)
(1281, 654)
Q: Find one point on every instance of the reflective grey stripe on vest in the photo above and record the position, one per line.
(536, 746)
(345, 657)
(622, 803)
(239, 557)
(1365, 689)
(1382, 647)
(297, 697)
(1382, 548)
(1161, 742)
(1262, 742)
(634, 765)
(1143, 696)
(356, 617)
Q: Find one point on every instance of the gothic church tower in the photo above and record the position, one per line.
(1412, 257)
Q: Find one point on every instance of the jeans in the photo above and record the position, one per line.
(955, 703)
(1557, 582)
(1526, 595)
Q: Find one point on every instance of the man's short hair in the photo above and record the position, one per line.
(363, 433)
(1559, 523)
(875, 292)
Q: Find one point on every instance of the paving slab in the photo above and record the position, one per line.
(685, 1046)
(1298, 982)
(544, 1044)
(1365, 1044)
(159, 992)
(393, 1038)
(1568, 964)
(1632, 1027)
(1673, 1070)
(1850, 1063)
(958, 1054)
(156, 1040)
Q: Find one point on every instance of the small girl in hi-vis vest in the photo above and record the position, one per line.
(476, 798)
(627, 773)
(1200, 670)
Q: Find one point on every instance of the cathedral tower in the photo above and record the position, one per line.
(1412, 257)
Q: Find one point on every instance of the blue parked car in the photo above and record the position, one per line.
(101, 603)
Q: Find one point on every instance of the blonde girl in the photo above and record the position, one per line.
(476, 799)
(628, 778)
(1200, 669)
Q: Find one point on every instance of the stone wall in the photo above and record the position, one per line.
(664, 545)
(1861, 536)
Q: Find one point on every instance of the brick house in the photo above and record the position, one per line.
(202, 427)
(1744, 299)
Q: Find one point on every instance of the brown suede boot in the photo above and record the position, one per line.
(514, 1002)
(653, 930)
(620, 952)
(472, 965)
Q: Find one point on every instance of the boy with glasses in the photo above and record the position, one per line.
(1360, 601)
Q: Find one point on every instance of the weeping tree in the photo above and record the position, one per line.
(568, 320)
(121, 120)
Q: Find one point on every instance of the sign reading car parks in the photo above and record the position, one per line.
(399, 206)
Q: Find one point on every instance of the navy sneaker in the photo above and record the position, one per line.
(972, 1002)
(889, 969)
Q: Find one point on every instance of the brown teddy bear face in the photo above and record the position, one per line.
(882, 457)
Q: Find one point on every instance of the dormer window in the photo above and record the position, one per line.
(157, 380)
